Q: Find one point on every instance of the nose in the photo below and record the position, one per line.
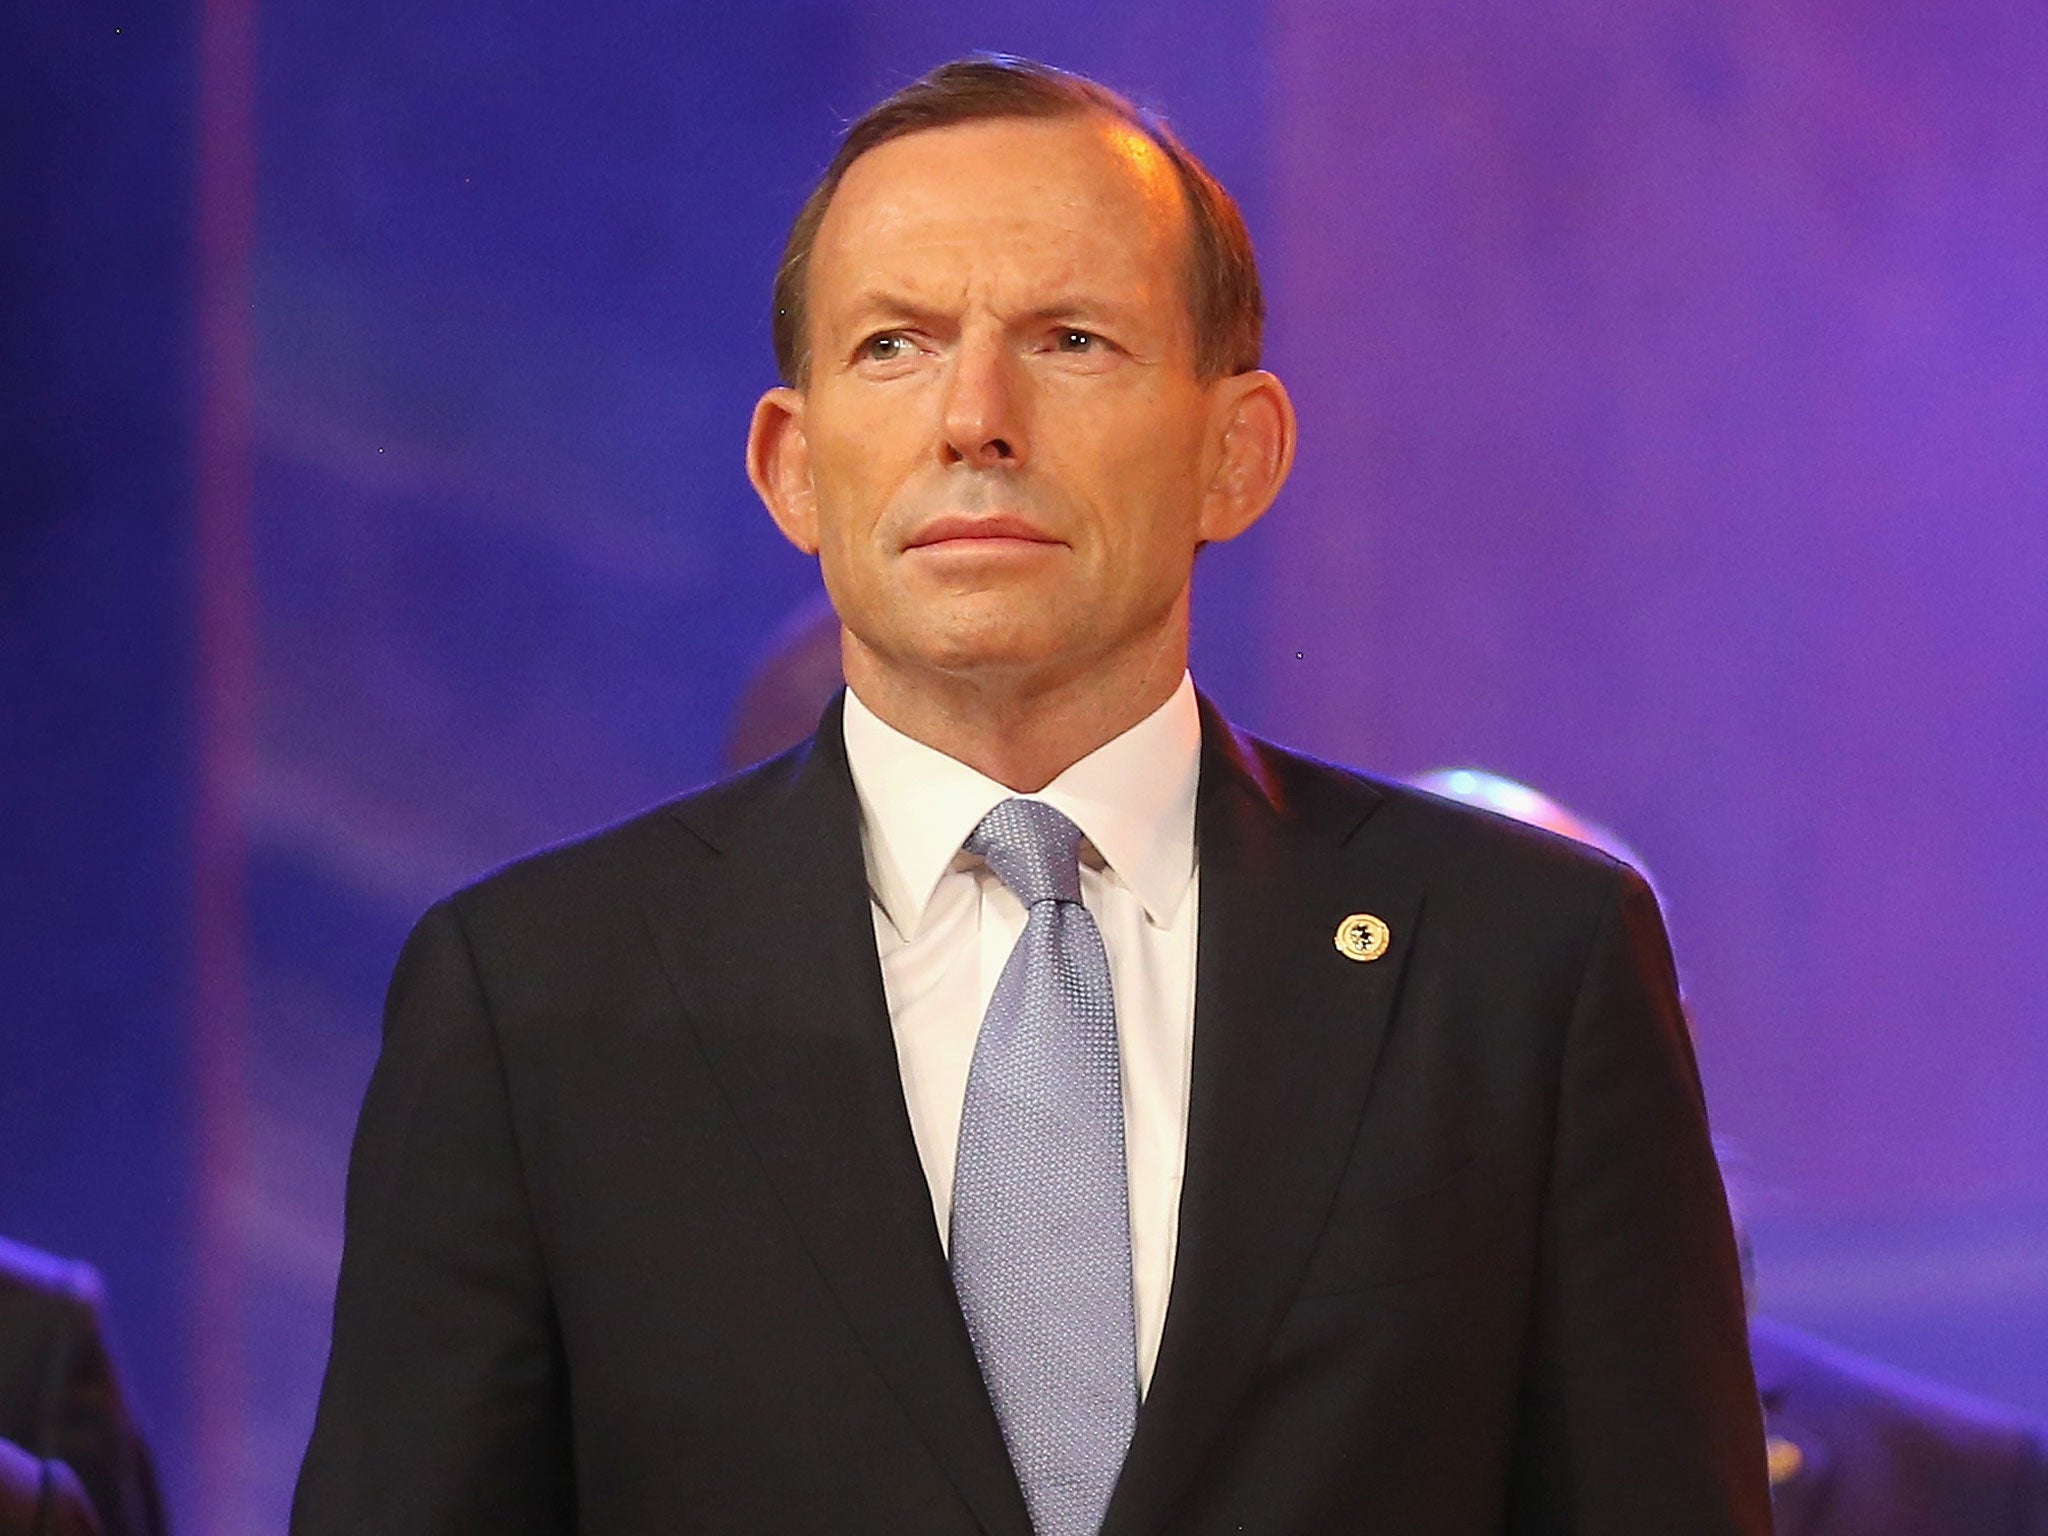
(984, 407)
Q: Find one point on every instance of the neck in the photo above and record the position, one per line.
(1021, 732)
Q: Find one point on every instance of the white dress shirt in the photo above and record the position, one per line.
(945, 925)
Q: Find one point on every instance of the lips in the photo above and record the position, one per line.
(970, 529)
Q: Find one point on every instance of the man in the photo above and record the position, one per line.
(1854, 1448)
(65, 1421)
(857, 1145)
(39, 1497)
(787, 689)
(1859, 1449)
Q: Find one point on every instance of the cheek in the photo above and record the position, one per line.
(835, 470)
(861, 464)
(844, 485)
(1158, 447)
(1152, 511)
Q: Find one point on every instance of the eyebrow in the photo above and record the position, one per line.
(1076, 307)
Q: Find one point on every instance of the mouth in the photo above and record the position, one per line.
(985, 532)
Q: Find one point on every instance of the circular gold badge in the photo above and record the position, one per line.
(1361, 936)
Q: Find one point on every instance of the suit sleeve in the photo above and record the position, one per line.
(2034, 1494)
(44, 1497)
(1644, 1414)
(97, 1435)
(444, 1408)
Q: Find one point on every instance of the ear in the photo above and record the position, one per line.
(1252, 433)
(779, 464)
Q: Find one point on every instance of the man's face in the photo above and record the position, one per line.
(1002, 452)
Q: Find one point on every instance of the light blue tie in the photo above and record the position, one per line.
(1041, 1230)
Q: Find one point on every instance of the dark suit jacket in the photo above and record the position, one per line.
(1861, 1450)
(638, 1239)
(41, 1498)
(60, 1394)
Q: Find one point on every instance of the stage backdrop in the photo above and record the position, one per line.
(1675, 393)
(1673, 381)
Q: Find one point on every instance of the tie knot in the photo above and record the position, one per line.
(1033, 849)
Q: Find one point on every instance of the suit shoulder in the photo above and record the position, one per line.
(1498, 847)
(1450, 843)
(29, 1274)
(44, 1299)
(599, 871)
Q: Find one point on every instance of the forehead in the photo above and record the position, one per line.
(1085, 191)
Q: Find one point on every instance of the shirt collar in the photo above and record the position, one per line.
(1133, 799)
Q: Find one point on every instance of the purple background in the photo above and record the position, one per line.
(1674, 381)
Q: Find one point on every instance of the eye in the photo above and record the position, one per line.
(885, 347)
(1085, 351)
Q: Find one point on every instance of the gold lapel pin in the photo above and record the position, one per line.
(1782, 1459)
(1362, 936)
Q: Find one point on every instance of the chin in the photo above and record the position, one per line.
(989, 649)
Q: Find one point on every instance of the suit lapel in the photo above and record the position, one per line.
(775, 964)
(1287, 1029)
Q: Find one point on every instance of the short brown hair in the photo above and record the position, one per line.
(1222, 274)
